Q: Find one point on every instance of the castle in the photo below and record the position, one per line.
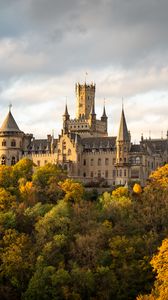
(84, 148)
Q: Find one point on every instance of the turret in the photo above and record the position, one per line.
(123, 147)
(104, 118)
(92, 118)
(66, 118)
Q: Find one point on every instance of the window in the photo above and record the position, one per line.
(91, 174)
(38, 163)
(64, 145)
(13, 143)
(120, 173)
(106, 173)
(99, 161)
(106, 161)
(91, 161)
(69, 151)
(13, 161)
(45, 162)
(99, 174)
(84, 162)
(4, 143)
(125, 172)
(3, 160)
(114, 161)
(125, 160)
(84, 174)
(137, 160)
(114, 173)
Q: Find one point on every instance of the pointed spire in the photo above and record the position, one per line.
(66, 110)
(104, 115)
(123, 134)
(9, 124)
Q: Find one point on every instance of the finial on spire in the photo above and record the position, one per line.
(122, 103)
(10, 106)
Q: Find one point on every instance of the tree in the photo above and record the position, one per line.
(159, 263)
(74, 191)
(16, 258)
(120, 192)
(45, 181)
(137, 188)
(159, 178)
(7, 200)
(23, 169)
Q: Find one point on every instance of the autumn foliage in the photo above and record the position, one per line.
(58, 242)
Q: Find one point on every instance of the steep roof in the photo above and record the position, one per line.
(66, 111)
(9, 124)
(104, 112)
(123, 134)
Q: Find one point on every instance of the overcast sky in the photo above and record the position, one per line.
(46, 46)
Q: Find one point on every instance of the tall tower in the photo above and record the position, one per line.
(122, 155)
(85, 97)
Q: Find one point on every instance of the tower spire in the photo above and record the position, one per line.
(66, 114)
(123, 134)
(104, 115)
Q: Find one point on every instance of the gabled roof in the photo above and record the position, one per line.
(123, 134)
(9, 124)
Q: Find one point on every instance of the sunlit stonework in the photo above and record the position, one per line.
(84, 148)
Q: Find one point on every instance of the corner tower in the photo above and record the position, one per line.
(123, 143)
(85, 98)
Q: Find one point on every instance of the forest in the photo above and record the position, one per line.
(60, 241)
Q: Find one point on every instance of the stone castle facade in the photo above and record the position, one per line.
(84, 148)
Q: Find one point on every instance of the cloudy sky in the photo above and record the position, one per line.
(46, 46)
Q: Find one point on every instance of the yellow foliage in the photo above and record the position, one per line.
(26, 188)
(137, 188)
(120, 192)
(160, 177)
(160, 265)
(73, 190)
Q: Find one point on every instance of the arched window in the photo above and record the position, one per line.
(13, 161)
(91, 162)
(137, 160)
(4, 143)
(106, 161)
(64, 145)
(13, 143)
(99, 161)
(3, 160)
